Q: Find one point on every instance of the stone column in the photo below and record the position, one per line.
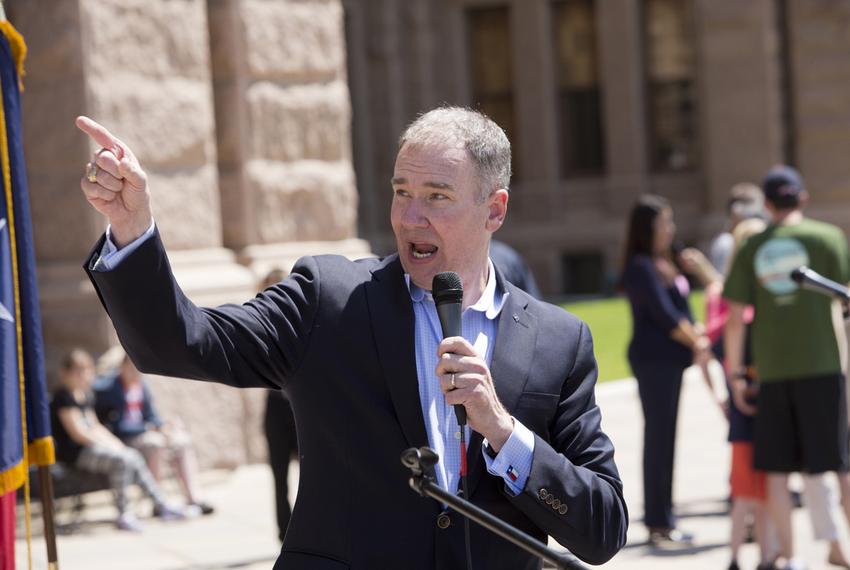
(624, 103)
(535, 114)
(739, 99)
(380, 79)
(820, 78)
(283, 107)
(283, 118)
(362, 119)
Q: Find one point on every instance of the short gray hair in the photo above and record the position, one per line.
(471, 130)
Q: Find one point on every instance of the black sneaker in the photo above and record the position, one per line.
(671, 537)
(206, 508)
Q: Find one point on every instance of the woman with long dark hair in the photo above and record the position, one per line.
(664, 342)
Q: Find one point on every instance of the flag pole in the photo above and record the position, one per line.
(47, 514)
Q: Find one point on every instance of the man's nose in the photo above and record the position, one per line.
(414, 215)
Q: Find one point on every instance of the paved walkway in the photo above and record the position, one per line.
(241, 534)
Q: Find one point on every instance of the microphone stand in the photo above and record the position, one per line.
(421, 464)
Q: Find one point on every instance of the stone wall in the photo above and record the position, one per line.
(239, 112)
(820, 48)
(279, 71)
(148, 78)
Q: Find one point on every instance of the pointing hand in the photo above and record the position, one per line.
(115, 184)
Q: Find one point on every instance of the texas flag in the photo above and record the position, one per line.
(24, 416)
(512, 473)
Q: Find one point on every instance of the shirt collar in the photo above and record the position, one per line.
(490, 303)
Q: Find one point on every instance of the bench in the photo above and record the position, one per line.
(68, 482)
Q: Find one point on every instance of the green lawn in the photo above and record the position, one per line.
(610, 321)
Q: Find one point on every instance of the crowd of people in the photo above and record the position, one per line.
(116, 432)
(783, 352)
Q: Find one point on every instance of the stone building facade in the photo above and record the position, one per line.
(239, 111)
(253, 116)
(608, 99)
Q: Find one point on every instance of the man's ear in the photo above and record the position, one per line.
(497, 205)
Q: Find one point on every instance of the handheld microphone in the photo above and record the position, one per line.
(447, 290)
(814, 281)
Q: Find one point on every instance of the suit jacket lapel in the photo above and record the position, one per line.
(512, 356)
(391, 310)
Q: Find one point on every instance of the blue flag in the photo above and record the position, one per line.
(24, 414)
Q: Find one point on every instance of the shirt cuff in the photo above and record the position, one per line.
(110, 256)
(513, 462)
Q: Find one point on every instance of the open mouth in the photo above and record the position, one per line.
(422, 250)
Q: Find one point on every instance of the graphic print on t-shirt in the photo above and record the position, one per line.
(133, 416)
(774, 262)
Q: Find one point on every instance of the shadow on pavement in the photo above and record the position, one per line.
(672, 552)
(248, 563)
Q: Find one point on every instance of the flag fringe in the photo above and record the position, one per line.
(41, 451)
(12, 478)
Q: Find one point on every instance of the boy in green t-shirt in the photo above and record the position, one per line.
(801, 423)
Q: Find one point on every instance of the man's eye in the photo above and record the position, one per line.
(439, 196)
(401, 193)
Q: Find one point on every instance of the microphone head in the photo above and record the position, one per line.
(447, 288)
(799, 274)
(428, 457)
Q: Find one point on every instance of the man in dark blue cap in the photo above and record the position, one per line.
(801, 425)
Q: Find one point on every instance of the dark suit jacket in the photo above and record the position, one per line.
(338, 336)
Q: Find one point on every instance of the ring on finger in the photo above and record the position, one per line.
(91, 172)
(453, 381)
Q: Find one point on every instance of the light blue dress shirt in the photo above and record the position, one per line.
(110, 256)
(479, 325)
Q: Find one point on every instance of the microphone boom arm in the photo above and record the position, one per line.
(421, 463)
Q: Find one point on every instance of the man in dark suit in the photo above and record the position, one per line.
(513, 267)
(357, 347)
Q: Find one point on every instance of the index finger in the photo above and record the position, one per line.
(100, 135)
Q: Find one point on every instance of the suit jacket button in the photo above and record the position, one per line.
(556, 504)
(563, 509)
(543, 494)
(444, 521)
(550, 499)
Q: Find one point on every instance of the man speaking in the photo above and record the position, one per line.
(358, 348)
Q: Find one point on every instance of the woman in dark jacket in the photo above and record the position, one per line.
(664, 342)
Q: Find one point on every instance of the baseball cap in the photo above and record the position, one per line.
(782, 185)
